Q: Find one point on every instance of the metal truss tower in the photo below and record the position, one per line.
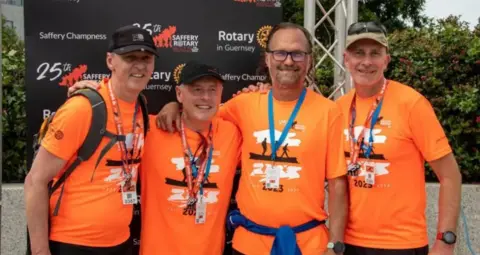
(345, 13)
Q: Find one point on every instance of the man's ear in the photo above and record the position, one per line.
(109, 61)
(179, 93)
(267, 60)
(345, 58)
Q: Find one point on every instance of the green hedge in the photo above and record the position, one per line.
(14, 121)
(441, 60)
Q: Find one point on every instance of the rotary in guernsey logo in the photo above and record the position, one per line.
(177, 71)
(262, 35)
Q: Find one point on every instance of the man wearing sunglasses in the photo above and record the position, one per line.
(292, 142)
(391, 130)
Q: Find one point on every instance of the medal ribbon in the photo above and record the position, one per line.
(127, 158)
(276, 144)
(372, 117)
(191, 170)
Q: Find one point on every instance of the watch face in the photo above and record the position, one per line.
(339, 247)
(449, 237)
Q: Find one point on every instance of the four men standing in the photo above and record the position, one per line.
(281, 195)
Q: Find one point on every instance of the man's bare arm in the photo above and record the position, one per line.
(447, 171)
(44, 169)
(337, 207)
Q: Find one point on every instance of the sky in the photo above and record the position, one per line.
(469, 9)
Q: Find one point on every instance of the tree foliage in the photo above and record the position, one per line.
(395, 14)
(14, 122)
(442, 61)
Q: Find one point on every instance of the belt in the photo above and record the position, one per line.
(285, 242)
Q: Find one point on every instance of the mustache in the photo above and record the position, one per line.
(288, 68)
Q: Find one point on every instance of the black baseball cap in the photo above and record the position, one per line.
(131, 38)
(193, 71)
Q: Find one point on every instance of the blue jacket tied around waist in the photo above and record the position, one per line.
(285, 242)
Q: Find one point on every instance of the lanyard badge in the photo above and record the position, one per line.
(129, 192)
(195, 187)
(358, 144)
(272, 179)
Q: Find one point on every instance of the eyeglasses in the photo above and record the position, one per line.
(366, 27)
(281, 55)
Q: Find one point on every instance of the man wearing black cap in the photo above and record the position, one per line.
(187, 177)
(281, 198)
(97, 198)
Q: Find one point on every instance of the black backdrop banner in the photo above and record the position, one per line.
(66, 41)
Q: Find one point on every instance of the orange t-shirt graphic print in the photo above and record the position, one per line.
(168, 225)
(390, 214)
(91, 210)
(311, 152)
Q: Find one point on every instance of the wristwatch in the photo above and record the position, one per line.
(337, 247)
(447, 237)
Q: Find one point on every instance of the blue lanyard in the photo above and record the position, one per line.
(373, 121)
(276, 144)
(194, 165)
(207, 167)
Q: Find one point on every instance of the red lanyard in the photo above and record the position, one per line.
(127, 158)
(189, 158)
(355, 144)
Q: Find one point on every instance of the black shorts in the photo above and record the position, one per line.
(357, 250)
(58, 248)
(235, 252)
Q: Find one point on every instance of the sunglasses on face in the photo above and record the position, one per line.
(281, 55)
(366, 27)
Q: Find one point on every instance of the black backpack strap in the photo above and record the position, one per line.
(94, 136)
(98, 126)
(113, 139)
(146, 122)
(121, 138)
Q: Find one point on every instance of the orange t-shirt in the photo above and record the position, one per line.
(406, 134)
(312, 152)
(91, 210)
(168, 227)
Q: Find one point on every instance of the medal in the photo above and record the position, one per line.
(191, 201)
(129, 193)
(352, 167)
(195, 175)
(357, 144)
